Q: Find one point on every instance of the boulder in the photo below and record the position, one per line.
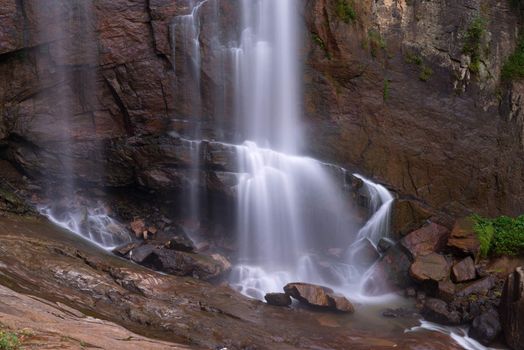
(123, 250)
(180, 243)
(199, 266)
(431, 267)
(278, 299)
(463, 239)
(428, 239)
(486, 327)
(436, 310)
(464, 270)
(318, 296)
(141, 254)
(138, 227)
(391, 271)
(482, 286)
(512, 309)
(384, 244)
(446, 290)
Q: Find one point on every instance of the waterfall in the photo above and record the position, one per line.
(291, 210)
(67, 74)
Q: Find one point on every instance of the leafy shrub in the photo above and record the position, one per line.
(9, 341)
(425, 73)
(473, 43)
(514, 66)
(345, 11)
(500, 236)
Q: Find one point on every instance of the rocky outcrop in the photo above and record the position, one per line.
(512, 309)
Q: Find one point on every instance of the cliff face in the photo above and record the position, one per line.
(393, 89)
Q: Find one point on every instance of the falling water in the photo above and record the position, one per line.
(291, 210)
(67, 32)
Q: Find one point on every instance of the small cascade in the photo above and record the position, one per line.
(91, 223)
(68, 29)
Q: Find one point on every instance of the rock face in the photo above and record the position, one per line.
(376, 90)
(318, 296)
(512, 309)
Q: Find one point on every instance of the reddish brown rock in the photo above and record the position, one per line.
(428, 239)
(318, 296)
(436, 310)
(481, 286)
(138, 227)
(446, 290)
(464, 271)
(512, 309)
(463, 238)
(431, 267)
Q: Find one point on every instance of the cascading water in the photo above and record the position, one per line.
(290, 209)
(70, 59)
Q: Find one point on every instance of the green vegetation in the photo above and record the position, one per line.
(345, 11)
(425, 73)
(500, 236)
(318, 40)
(9, 341)
(376, 42)
(385, 91)
(514, 66)
(415, 59)
(473, 43)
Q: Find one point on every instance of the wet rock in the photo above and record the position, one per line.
(141, 254)
(384, 244)
(408, 215)
(428, 239)
(123, 250)
(318, 296)
(463, 239)
(278, 299)
(138, 227)
(436, 310)
(180, 243)
(464, 271)
(512, 309)
(481, 286)
(391, 271)
(187, 264)
(486, 327)
(446, 290)
(399, 313)
(431, 267)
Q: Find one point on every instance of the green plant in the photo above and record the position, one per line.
(500, 236)
(385, 91)
(376, 42)
(345, 11)
(318, 40)
(412, 58)
(425, 73)
(473, 43)
(514, 66)
(9, 341)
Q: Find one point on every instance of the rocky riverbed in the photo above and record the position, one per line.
(42, 261)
